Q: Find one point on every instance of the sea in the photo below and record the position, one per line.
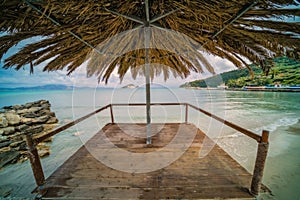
(277, 112)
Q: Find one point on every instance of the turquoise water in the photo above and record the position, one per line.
(277, 112)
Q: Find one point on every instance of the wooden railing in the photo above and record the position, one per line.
(262, 141)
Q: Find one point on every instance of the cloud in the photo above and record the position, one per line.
(22, 78)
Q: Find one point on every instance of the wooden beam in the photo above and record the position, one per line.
(152, 104)
(240, 13)
(132, 18)
(68, 125)
(230, 124)
(262, 152)
(162, 16)
(265, 136)
(147, 9)
(112, 114)
(186, 113)
(59, 24)
(147, 77)
(156, 25)
(35, 162)
(147, 32)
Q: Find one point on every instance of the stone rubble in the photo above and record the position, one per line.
(34, 117)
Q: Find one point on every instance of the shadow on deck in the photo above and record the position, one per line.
(83, 176)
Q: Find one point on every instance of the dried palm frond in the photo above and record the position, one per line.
(71, 32)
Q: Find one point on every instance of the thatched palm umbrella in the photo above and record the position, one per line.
(71, 31)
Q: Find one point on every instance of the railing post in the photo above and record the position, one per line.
(35, 161)
(112, 114)
(262, 152)
(186, 113)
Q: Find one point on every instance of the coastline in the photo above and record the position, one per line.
(247, 90)
(263, 90)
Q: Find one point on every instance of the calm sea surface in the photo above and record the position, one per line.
(276, 112)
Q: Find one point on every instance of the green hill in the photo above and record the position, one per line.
(285, 72)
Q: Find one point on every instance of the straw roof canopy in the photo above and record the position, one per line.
(70, 31)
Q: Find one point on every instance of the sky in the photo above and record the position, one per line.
(11, 78)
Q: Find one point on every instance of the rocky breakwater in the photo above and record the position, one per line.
(15, 121)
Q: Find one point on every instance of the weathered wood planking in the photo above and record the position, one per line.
(216, 175)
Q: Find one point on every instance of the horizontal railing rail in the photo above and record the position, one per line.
(152, 104)
(68, 125)
(230, 124)
(261, 139)
(246, 132)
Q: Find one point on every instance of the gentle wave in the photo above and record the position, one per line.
(283, 122)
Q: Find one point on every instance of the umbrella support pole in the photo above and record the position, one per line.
(148, 106)
(147, 70)
(147, 73)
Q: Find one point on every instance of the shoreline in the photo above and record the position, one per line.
(264, 90)
(246, 90)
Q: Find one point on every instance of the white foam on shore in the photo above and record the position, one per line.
(283, 122)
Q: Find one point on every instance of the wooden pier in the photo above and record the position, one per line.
(213, 176)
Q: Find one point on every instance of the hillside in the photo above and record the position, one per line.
(285, 72)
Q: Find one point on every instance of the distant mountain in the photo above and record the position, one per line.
(219, 79)
(52, 87)
(285, 72)
(43, 87)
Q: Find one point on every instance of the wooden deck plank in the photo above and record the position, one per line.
(216, 175)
